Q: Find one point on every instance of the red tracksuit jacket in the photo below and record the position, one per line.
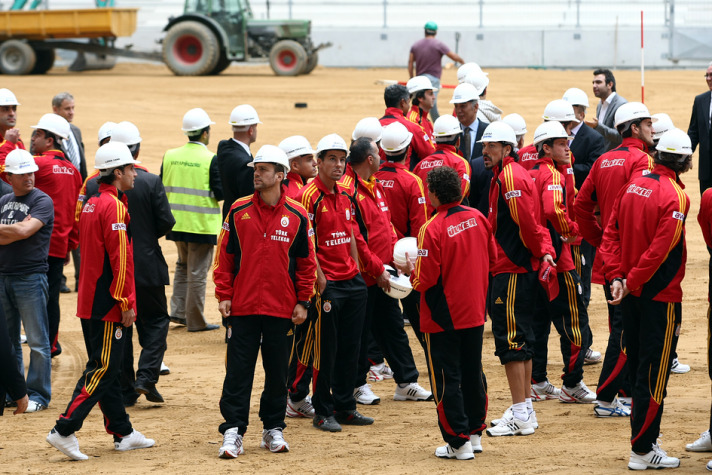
(106, 277)
(415, 115)
(445, 156)
(644, 241)
(528, 156)
(294, 184)
(456, 250)
(515, 219)
(420, 145)
(406, 198)
(265, 262)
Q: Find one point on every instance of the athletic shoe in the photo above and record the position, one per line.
(232, 444)
(164, 369)
(613, 409)
(326, 423)
(709, 466)
(135, 440)
(679, 368)
(544, 391)
(412, 392)
(512, 426)
(656, 458)
(364, 395)
(703, 444)
(476, 442)
(273, 440)
(69, 445)
(352, 418)
(301, 408)
(508, 414)
(626, 401)
(579, 393)
(386, 372)
(34, 406)
(23, 338)
(374, 375)
(463, 453)
(592, 357)
(150, 391)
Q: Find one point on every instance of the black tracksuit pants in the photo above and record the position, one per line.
(614, 371)
(300, 361)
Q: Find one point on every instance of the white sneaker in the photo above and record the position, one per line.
(579, 393)
(476, 442)
(544, 391)
(273, 440)
(232, 444)
(656, 458)
(679, 368)
(374, 375)
(508, 414)
(364, 395)
(135, 440)
(164, 369)
(69, 445)
(411, 392)
(301, 408)
(23, 338)
(626, 401)
(613, 409)
(703, 444)
(34, 406)
(592, 357)
(709, 466)
(386, 372)
(512, 426)
(463, 453)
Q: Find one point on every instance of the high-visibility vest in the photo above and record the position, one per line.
(186, 178)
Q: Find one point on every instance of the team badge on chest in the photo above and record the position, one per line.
(285, 221)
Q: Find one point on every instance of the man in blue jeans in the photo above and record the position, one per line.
(26, 221)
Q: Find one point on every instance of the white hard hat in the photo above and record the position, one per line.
(19, 162)
(516, 122)
(369, 127)
(446, 125)
(465, 92)
(331, 142)
(674, 141)
(661, 124)
(631, 111)
(419, 83)
(405, 245)
(396, 138)
(7, 98)
(467, 68)
(105, 130)
(113, 154)
(477, 79)
(244, 115)
(126, 132)
(400, 284)
(499, 131)
(296, 146)
(560, 110)
(54, 123)
(576, 97)
(195, 119)
(270, 154)
(550, 130)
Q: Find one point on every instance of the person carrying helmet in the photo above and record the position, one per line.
(644, 252)
(456, 250)
(302, 164)
(26, 221)
(234, 155)
(193, 187)
(339, 308)
(106, 307)
(422, 96)
(265, 271)
(466, 101)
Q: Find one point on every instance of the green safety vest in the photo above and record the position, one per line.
(186, 178)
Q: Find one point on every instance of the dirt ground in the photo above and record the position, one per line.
(405, 434)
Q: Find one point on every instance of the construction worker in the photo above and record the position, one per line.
(257, 316)
(644, 252)
(193, 186)
(466, 99)
(422, 97)
(302, 164)
(106, 307)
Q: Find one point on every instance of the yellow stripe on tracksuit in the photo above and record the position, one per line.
(559, 201)
(316, 361)
(511, 320)
(512, 202)
(665, 356)
(431, 371)
(573, 308)
(123, 252)
(105, 356)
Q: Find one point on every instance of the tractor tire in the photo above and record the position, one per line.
(312, 61)
(16, 58)
(222, 65)
(287, 58)
(191, 49)
(45, 61)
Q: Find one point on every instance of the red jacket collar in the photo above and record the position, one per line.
(446, 207)
(635, 143)
(395, 112)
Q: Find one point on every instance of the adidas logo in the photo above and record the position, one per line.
(324, 210)
(245, 216)
(290, 332)
(498, 301)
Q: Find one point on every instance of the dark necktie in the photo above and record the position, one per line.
(467, 143)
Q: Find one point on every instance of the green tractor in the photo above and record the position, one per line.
(212, 33)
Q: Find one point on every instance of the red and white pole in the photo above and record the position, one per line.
(642, 61)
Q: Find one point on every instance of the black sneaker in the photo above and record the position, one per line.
(324, 423)
(150, 391)
(353, 418)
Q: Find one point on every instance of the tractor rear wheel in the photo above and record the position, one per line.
(16, 58)
(287, 58)
(191, 49)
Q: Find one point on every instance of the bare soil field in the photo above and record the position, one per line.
(405, 435)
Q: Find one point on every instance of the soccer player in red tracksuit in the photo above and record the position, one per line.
(106, 305)
(264, 275)
(644, 255)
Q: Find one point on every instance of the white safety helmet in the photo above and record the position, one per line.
(477, 79)
(406, 245)
(400, 284)
(499, 131)
(631, 111)
(244, 115)
(194, 120)
(331, 142)
(576, 97)
(126, 132)
(105, 130)
(550, 130)
(516, 122)
(419, 83)
(465, 92)
(560, 111)
(396, 138)
(446, 126)
(296, 146)
(467, 68)
(7, 98)
(675, 141)
(369, 127)
(19, 162)
(54, 123)
(661, 124)
(271, 154)
(112, 155)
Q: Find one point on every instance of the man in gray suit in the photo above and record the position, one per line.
(700, 132)
(604, 87)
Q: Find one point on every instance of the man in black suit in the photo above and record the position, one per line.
(466, 100)
(234, 155)
(604, 87)
(700, 132)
